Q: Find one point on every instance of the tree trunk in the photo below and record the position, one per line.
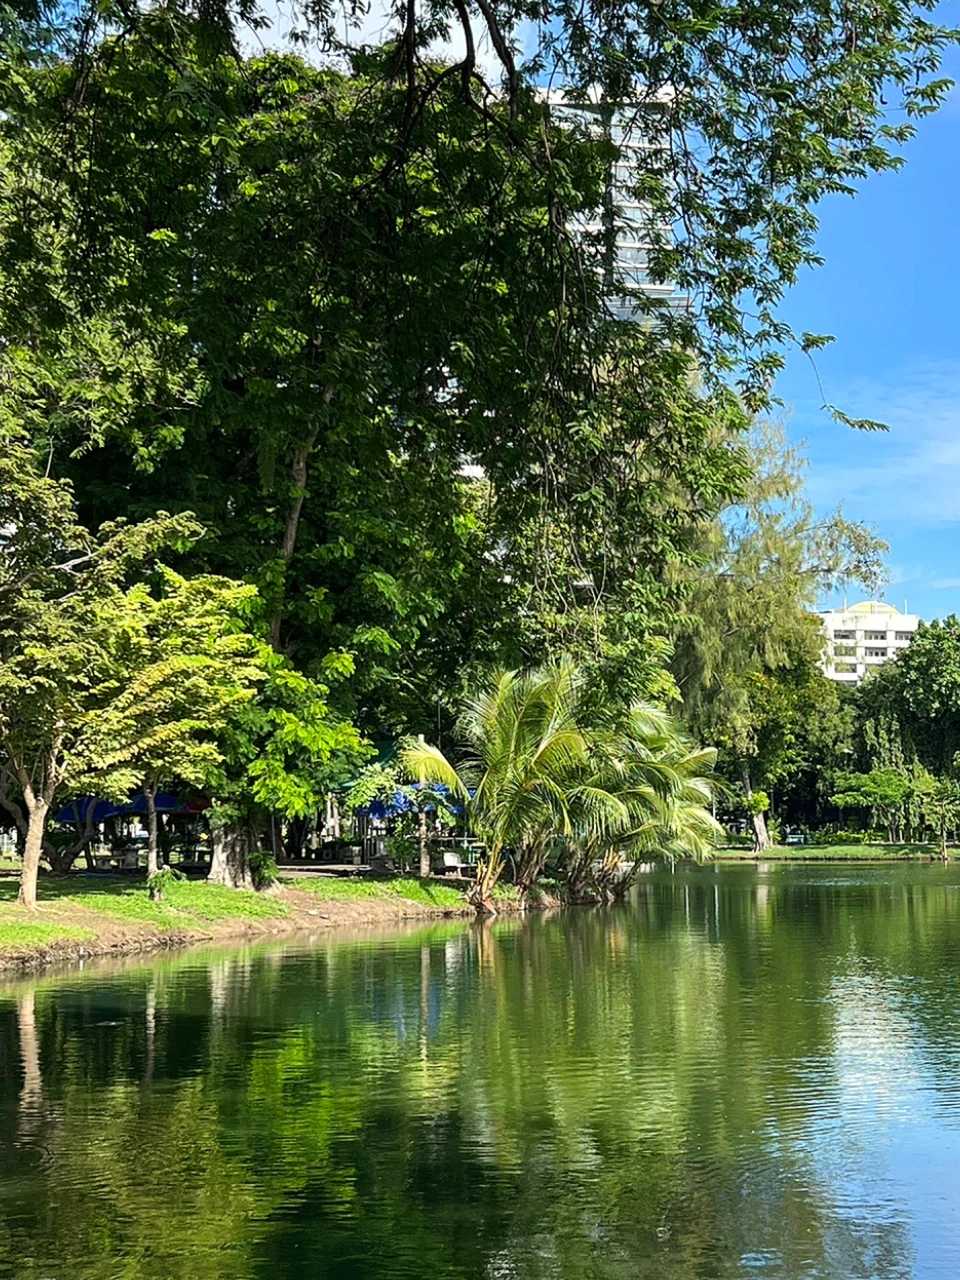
(422, 840)
(62, 860)
(579, 877)
(298, 484)
(529, 869)
(295, 838)
(424, 843)
(335, 816)
(32, 850)
(761, 837)
(480, 893)
(153, 862)
(229, 862)
(624, 883)
(163, 835)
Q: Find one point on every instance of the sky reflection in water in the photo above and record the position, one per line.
(741, 1074)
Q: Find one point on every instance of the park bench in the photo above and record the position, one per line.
(460, 859)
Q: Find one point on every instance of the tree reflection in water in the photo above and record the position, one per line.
(705, 1083)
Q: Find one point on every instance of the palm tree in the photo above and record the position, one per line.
(535, 776)
(525, 755)
(647, 796)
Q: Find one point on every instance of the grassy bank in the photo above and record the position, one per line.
(835, 853)
(80, 915)
(101, 915)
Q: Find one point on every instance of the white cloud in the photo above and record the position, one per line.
(910, 474)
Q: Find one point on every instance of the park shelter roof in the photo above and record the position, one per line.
(76, 812)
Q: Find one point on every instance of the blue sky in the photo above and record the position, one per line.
(890, 292)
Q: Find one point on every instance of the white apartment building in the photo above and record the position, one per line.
(625, 223)
(862, 637)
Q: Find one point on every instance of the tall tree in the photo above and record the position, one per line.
(748, 643)
(64, 621)
(910, 708)
(540, 767)
(182, 668)
(525, 746)
(283, 753)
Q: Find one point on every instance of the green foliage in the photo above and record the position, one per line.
(160, 881)
(749, 645)
(882, 789)
(752, 123)
(103, 685)
(757, 802)
(539, 773)
(183, 668)
(322, 344)
(885, 793)
(940, 802)
(911, 707)
(287, 748)
(63, 608)
(296, 299)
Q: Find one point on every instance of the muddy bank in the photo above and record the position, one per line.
(305, 913)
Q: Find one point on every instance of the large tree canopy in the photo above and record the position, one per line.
(348, 308)
(755, 112)
(227, 290)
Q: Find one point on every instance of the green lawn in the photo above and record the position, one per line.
(23, 935)
(185, 903)
(834, 852)
(425, 893)
(112, 911)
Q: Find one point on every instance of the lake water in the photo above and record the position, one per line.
(741, 1074)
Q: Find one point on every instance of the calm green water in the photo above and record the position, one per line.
(742, 1075)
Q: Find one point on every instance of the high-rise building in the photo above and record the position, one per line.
(863, 637)
(625, 225)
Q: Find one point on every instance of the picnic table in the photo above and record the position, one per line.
(126, 859)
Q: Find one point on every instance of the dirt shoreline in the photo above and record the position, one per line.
(306, 914)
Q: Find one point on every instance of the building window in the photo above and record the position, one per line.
(845, 650)
(844, 635)
(904, 635)
(874, 635)
(845, 668)
(876, 653)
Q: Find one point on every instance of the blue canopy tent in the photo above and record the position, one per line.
(75, 812)
(400, 803)
(87, 813)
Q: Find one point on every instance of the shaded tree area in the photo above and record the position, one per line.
(303, 339)
(340, 309)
